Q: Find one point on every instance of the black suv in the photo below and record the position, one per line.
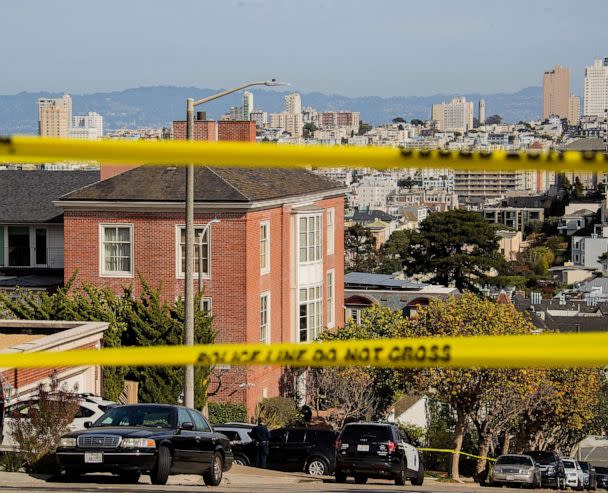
(377, 450)
(551, 468)
(303, 449)
(601, 476)
(153, 439)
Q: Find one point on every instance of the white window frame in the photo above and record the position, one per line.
(102, 270)
(265, 269)
(314, 311)
(178, 251)
(265, 327)
(330, 298)
(330, 217)
(209, 302)
(317, 244)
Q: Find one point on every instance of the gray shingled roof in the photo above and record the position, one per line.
(27, 196)
(589, 144)
(371, 215)
(383, 281)
(167, 184)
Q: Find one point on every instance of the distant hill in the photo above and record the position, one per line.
(158, 106)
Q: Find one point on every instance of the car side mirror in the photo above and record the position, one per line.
(187, 426)
(88, 424)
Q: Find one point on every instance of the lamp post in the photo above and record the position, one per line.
(189, 277)
(200, 258)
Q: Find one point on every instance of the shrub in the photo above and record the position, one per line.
(227, 412)
(277, 412)
(38, 436)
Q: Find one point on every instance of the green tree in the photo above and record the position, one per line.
(579, 189)
(360, 249)
(143, 320)
(406, 182)
(456, 247)
(494, 120)
(392, 249)
(399, 120)
(364, 128)
(309, 129)
(416, 121)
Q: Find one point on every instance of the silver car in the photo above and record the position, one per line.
(516, 469)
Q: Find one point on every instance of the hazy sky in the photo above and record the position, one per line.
(349, 47)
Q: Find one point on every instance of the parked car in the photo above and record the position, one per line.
(551, 466)
(574, 474)
(589, 479)
(377, 450)
(91, 408)
(154, 439)
(516, 469)
(243, 446)
(311, 450)
(601, 475)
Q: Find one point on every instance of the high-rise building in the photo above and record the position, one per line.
(556, 92)
(482, 111)
(293, 103)
(455, 116)
(87, 127)
(596, 88)
(55, 116)
(574, 110)
(247, 105)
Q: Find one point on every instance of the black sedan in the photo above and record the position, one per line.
(153, 439)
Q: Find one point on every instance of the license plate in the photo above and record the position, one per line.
(362, 448)
(93, 457)
(510, 477)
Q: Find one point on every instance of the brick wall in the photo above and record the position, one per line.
(203, 130)
(241, 131)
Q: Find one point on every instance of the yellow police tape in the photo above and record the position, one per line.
(449, 451)
(526, 351)
(42, 149)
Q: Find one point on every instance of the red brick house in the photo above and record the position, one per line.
(273, 266)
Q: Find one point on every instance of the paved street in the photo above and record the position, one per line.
(240, 479)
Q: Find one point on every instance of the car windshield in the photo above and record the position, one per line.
(144, 416)
(513, 459)
(543, 458)
(569, 464)
(366, 432)
(584, 466)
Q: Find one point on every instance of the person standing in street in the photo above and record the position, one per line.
(261, 436)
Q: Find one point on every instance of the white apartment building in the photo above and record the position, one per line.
(372, 191)
(455, 116)
(259, 117)
(574, 110)
(55, 116)
(596, 89)
(293, 103)
(87, 127)
(247, 105)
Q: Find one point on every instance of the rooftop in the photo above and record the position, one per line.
(590, 144)
(27, 196)
(241, 185)
(364, 280)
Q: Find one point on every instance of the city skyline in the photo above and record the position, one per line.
(448, 49)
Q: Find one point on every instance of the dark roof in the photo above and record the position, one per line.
(590, 144)
(167, 184)
(378, 281)
(371, 215)
(27, 196)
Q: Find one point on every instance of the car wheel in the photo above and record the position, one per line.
(360, 479)
(131, 477)
(213, 477)
(340, 477)
(72, 474)
(419, 479)
(401, 478)
(240, 460)
(317, 467)
(160, 473)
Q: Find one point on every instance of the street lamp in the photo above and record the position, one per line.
(189, 277)
(200, 258)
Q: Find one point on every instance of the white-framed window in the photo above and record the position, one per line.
(265, 247)
(353, 314)
(265, 318)
(116, 250)
(310, 238)
(330, 298)
(180, 248)
(207, 305)
(330, 213)
(311, 313)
